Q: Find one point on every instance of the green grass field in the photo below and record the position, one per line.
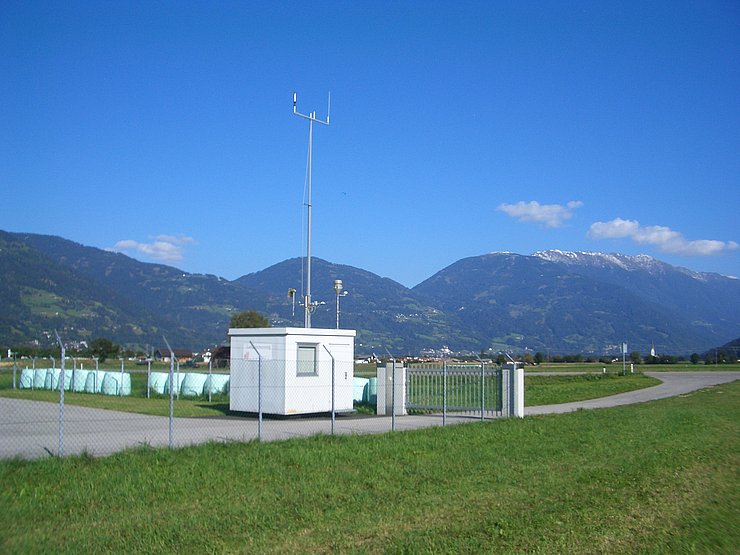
(658, 477)
(551, 390)
(616, 367)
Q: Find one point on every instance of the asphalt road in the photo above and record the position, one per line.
(30, 429)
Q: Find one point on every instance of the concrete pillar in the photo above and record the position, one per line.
(513, 390)
(384, 400)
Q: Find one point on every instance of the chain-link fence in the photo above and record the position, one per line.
(49, 408)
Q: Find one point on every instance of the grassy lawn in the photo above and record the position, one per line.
(659, 477)
(616, 367)
(550, 390)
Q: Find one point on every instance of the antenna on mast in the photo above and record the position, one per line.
(308, 305)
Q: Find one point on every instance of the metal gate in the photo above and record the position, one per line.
(454, 387)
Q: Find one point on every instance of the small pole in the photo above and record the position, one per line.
(148, 375)
(210, 377)
(333, 413)
(14, 368)
(120, 385)
(482, 387)
(171, 379)
(338, 290)
(444, 392)
(61, 399)
(259, 392)
(307, 303)
(393, 395)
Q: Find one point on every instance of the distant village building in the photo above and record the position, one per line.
(220, 356)
(181, 355)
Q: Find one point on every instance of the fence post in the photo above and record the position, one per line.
(210, 377)
(482, 388)
(444, 392)
(259, 392)
(499, 390)
(393, 395)
(61, 399)
(333, 412)
(393, 390)
(171, 380)
(120, 385)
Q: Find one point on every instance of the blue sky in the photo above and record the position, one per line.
(165, 130)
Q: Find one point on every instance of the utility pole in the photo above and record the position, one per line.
(308, 306)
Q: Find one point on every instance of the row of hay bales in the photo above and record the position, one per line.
(111, 382)
(365, 390)
(189, 384)
(88, 381)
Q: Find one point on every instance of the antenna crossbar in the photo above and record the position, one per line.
(312, 115)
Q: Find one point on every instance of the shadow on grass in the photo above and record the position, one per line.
(222, 408)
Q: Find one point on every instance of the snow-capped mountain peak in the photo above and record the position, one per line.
(642, 262)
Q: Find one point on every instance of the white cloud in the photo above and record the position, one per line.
(615, 229)
(550, 215)
(175, 239)
(664, 238)
(164, 248)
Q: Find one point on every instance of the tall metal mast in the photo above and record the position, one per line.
(308, 305)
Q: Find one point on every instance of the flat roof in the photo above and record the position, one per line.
(264, 332)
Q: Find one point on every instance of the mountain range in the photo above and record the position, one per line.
(551, 301)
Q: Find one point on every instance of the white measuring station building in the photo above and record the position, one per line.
(286, 371)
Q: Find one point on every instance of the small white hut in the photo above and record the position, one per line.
(287, 371)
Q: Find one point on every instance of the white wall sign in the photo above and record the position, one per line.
(265, 351)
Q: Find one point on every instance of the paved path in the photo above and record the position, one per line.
(30, 429)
